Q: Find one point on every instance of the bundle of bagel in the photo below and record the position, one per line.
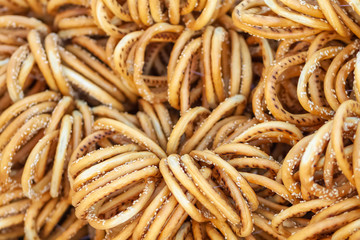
(179, 119)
